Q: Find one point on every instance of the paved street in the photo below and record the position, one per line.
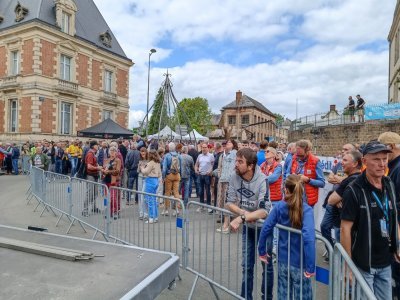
(206, 250)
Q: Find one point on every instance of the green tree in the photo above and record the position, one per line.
(159, 116)
(279, 119)
(198, 114)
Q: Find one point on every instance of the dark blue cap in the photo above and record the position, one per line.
(375, 147)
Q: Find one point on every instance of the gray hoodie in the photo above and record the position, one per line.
(250, 195)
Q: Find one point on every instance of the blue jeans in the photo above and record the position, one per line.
(132, 179)
(185, 183)
(193, 178)
(327, 225)
(74, 165)
(291, 285)
(151, 186)
(205, 184)
(380, 282)
(396, 278)
(59, 169)
(15, 165)
(249, 252)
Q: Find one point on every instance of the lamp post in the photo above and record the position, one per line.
(148, 91)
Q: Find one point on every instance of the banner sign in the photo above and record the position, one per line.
(382, 112)
(327, 162)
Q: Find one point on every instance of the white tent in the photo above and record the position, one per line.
(194, 134)
(165, 133)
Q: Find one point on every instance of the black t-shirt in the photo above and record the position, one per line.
(340, 191)
(351, 104)
(380, 252)
(360, 103)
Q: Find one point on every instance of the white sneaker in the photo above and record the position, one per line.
(174, 213)
(164, 213)
(200, 209)
(149, 221)
(210, 211)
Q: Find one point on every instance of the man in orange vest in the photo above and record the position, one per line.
(310, 168)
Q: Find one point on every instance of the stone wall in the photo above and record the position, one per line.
(329, 139)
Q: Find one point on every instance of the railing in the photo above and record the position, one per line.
(333, 117)
(109, 95)
(221, 258)
(345, 116)
(9, 82)
(67, 85)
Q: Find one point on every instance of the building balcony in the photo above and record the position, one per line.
(9, 83)
(67, 87)
(109, 98)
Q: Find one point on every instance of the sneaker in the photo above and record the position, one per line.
(150, 221)
(164, 213)
(174, 213)
(199, 210)
(140, 217)
(210, 211)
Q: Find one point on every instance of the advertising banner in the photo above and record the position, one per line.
(382, 112)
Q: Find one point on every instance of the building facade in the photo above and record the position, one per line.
(238, 117)
(61, 70)
(394, 54)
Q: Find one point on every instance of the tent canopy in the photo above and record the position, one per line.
(165, 133)
(195, 135)
(107, 129)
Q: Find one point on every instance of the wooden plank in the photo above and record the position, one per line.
(44, 250)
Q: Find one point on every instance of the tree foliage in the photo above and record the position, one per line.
(159, 117)
(279, 119)
(197, 112)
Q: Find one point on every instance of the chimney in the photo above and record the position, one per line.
(238, 97)
(332, 107)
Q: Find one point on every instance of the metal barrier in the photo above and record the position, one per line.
(348, 282)
(214, 255)
(131, 223)
(219, 257)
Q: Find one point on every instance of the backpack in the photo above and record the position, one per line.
(175, 165)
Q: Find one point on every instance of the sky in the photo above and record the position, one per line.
(316, 51)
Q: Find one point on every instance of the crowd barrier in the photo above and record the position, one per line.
(205, 251)
(347, 280)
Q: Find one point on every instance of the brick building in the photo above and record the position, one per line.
(61, 69)
(244, 111)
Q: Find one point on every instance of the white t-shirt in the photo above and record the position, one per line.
(205, 163)
(38, 161)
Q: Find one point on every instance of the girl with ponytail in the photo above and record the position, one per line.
(292, 212)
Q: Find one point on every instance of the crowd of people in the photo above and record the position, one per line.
(277, 183)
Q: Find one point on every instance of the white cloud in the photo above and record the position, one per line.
(324, 74)
(136, 116)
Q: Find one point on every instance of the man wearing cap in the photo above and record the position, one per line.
(392, 141)
(369, 227)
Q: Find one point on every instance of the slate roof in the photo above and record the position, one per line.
(247, 101)
(215, 119)
(89, 22)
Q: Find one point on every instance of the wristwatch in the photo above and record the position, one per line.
(243, 218)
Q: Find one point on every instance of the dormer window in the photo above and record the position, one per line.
(65, 22)
(65, 15)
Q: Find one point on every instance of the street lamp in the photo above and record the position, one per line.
(148, 91)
